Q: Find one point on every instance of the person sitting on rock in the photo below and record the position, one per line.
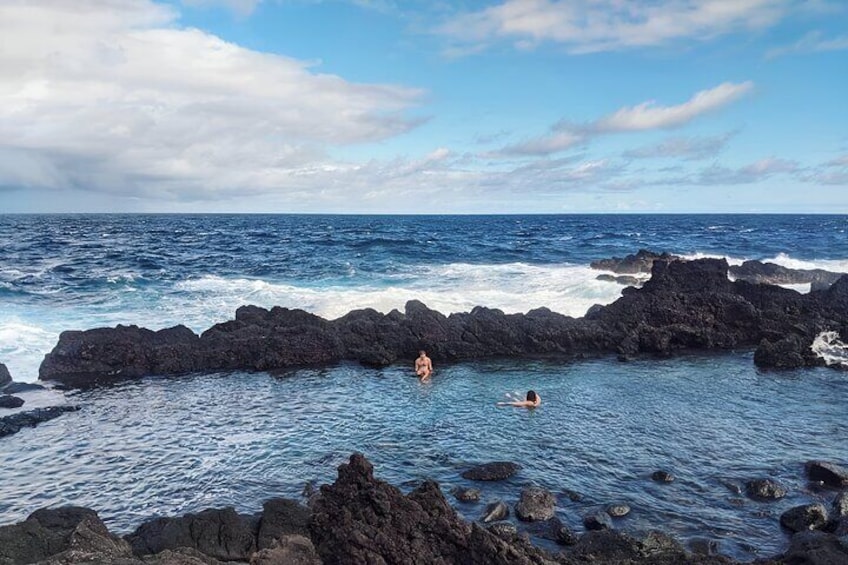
(533, 400)
(423, 366)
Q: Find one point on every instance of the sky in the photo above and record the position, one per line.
(383, 106)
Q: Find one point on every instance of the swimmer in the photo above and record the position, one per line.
(533, 400)
(423, 366)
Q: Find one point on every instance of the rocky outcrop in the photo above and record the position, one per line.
(758, 272)
(685, 305)
(816, 548)
(5, 377)
(804, 517)
(12, 424)
(827, 472)
(9, 401)
(361, 520)
(497, 510)
(641, 262)
(282, 517)
(535, 504)
(219, 533)
(765, 489)
(68, 533)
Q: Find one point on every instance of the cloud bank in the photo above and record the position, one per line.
(114, 96)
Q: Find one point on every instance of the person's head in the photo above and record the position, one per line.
(422, 353)
(531, 395)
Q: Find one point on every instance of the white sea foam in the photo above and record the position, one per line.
(456, 287)
(829, 347)
(23, 345)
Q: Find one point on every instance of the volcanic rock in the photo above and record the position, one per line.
(9, 401)
(758, 272)
(816, 548)
(495, 471)
(686, 305)
(830, 474)
(597, 521)
(5, 377)
(806, 517)
(361, 520)
(641, 262)
(662, 476)
(495, 511)
(764, 489)
(535, 504)
(281, 517)
(467, 494)
(618, 510)
(290, 549)
(840, 504)
(15, 388)
(12, 424)
(69, 531)
(219, 533)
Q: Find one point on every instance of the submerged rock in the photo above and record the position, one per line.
(805, 517)
(15, 388)
(535, 504)
(495, 511)
(9, 401)
(764, 489)
(12, 424)
(662, 476)
(830, 474)
(495, 471)
(618, 510)
(467, 494)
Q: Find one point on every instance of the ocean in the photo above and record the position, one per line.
(165, 446)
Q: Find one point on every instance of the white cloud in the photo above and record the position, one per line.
(111, 95)
(813, 42)
(747, 174)
(687, 148)
(605, 25)
(648, 115)
(642, 117)
(240, 7)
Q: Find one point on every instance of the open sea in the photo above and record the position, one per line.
(169, 446)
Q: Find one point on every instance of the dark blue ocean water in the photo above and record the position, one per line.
(165, 446)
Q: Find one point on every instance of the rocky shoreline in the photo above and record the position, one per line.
(686, 305)
(360, 519)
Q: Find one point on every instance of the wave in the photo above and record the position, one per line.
(829, 347)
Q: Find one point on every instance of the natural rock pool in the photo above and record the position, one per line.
(169, 446)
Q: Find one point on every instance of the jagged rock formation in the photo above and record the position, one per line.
(362, 520)
(684, 305)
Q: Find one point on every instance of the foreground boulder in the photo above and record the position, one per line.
(764, 489)
(221, 534)
(361, 520)
(535, 504)
(68, 533)
(685, 305)
(804, 518)
(9, 401)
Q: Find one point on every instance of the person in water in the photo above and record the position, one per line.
(533, 400)
(423, 366)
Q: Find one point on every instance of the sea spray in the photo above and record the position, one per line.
(829, 347)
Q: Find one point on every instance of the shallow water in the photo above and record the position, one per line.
(166, 446)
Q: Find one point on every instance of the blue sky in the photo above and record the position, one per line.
(358, 106)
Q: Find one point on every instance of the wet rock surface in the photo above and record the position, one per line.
(535, 504)
(805, 517)
(831, 474)
(662, 476)
(5, 377)
(12, 424)
(764, 489)
(685, 305)
(495, 471)
(497, 510)
(467, 494)
(9, 401)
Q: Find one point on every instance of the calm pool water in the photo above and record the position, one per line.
(169, 446)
